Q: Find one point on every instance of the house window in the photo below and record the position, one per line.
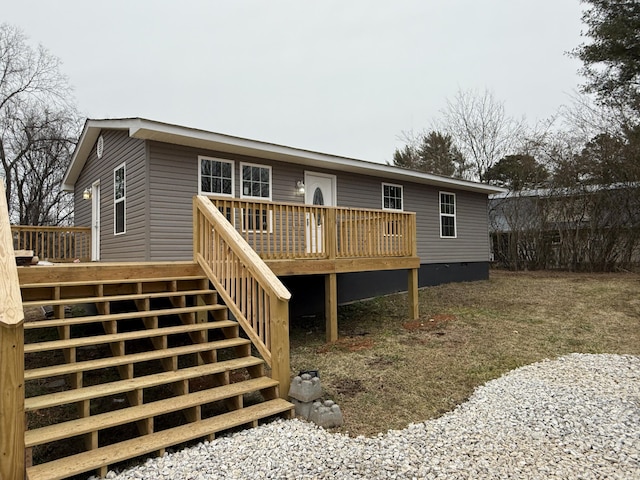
(447, 215)
(119, 200)
(255, 220)
(391, 196)
(256, 181)
(216, 176)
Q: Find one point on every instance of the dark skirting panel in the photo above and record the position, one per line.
(308, 290)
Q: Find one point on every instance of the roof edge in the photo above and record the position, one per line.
(144, 129)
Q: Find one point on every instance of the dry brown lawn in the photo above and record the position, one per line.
(386, 371)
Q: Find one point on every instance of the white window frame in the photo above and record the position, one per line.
(384, 184)
(222, 160)
(243, 219)
(117, 201)
(268, 167)
(448, 215)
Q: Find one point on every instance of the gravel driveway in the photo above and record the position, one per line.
(577, 417)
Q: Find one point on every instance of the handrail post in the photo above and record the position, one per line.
(12, 421)
(196, 229)
(280, 361)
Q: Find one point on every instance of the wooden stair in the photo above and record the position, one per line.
(130, 364)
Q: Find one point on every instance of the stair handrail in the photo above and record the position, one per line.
(252, 292)
(12, 426)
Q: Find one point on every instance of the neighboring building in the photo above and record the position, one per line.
(141, 176)
(592, 227)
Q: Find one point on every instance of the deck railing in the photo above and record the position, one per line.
(284, 231)
(55, 244)
(251, 291)
(11, 355)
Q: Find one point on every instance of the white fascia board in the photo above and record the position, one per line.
(161, 132)
(87, 140)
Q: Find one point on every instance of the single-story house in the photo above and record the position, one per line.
(134, 180)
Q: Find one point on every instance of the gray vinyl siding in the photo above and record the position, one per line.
(173, 181)
(472, 242)
(118, 149)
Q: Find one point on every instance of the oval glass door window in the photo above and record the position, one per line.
(318, 199)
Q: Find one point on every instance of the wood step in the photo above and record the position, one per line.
(116, 298)
(108, 455)
(128, 385)
(68, 368)
(62, 322)
(82, 283)
(148, 410)
(125, 336)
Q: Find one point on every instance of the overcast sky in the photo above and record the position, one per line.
(345, 77)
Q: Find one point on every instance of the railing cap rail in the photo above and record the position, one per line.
(249, 257)
(304, 205)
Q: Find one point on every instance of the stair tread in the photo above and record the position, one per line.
(124, 336)
(82, 283)
(127, 449)
(123, 386)
(61, 322)
(67, 368)
(115, 298)
(131, 414)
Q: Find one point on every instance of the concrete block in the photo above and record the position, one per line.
(305, 388)
(326, 414)
(303, 409)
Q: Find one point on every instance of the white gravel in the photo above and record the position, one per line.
(577, 417)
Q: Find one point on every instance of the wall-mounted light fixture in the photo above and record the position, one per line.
(86, 194)
(300, 187)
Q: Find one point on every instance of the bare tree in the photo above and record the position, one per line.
(481, 129)
(38, 126)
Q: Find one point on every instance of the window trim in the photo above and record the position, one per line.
(233, 176)
(401, 187)
(117, 201)
(448, 215)
(269, 168)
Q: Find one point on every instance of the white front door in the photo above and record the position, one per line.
(319, 189)
(95, 221)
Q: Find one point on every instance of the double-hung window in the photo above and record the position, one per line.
(255, 184)
(119, 200)
(447, 215)
(216, 176)
(392, 200)
(391, 196)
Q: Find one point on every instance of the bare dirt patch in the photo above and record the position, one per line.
(429, 323)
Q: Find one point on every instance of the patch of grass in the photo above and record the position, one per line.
(387, 371)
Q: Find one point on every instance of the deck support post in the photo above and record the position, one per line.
(280, 360)
(412, 290)
(331, 306)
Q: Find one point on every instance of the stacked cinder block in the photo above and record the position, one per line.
(305, 392)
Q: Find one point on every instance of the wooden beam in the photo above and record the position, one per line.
(412, 290)
(280, 359)
(309, 266)
(331, 306)
(12, 451)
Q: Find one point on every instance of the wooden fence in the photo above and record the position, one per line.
(55, 244)
(256, 297)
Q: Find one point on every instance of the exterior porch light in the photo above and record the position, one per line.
(86, 194)
(300, 187)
